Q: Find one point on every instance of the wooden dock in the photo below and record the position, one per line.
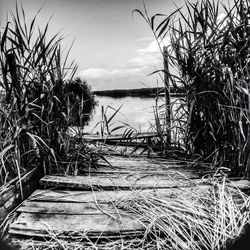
(83, 207)
(120, 137)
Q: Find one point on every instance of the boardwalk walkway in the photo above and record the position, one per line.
(85, 206)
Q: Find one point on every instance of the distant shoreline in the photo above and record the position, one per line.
(142, 92)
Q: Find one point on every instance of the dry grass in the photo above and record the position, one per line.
(207, 218)
(55, 244)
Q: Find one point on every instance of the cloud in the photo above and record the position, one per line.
(149, 55)
(146, 61)
(101, 79)
(145, 39)
(131, 73)
(152, 47)
(99, 73)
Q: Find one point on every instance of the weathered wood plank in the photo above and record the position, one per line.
(11, 196)
(119, 161)
(7, 190)
(124, 173)
(69, 208)
(118, 164)
(106, 196)
(155, 164)
(109, 196)
(32, 224)
(80, 235)
(117, 182)
(119, 150)
(131, 166)
(135, 151)
(119, 137)
(74, 243)
(243, 184)
(111, 172)
(76, 196)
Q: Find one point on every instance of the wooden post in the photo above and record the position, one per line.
(167, 96)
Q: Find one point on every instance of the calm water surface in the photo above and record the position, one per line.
(135, 111)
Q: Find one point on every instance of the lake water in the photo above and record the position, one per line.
(135, 111)
(138, 113)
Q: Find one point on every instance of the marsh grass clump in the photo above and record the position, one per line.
(207, 56)
(80, 102)
(178, 128)
(80, 158)
(202, 218)
(40, 97)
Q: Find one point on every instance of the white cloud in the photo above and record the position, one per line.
(147, 60)
(98, 73)
(152, 47)
(129, 74)
(145, 39)
(149, 55)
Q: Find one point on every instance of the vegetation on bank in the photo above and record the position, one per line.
(209, 49)
(40, 99)
(142, 92)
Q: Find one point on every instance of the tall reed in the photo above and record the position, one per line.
(209, 53)
(39, 97)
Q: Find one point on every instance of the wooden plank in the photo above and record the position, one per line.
(74, 243)
(131, 151)
(132, 161)
(119, 150)
(116, 182)
(125, 143)
(116, 164)
(7, 190)
(171, 173)
(69, 208)
(109, 196)
(143, 164)
(243, 184)
(106, 196)
(119, 137)
(11, 196)
(76, 196)
(32, 224)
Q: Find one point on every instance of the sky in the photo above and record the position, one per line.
(113, 48)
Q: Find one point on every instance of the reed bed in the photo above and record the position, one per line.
(40, 97)
(207, 56)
